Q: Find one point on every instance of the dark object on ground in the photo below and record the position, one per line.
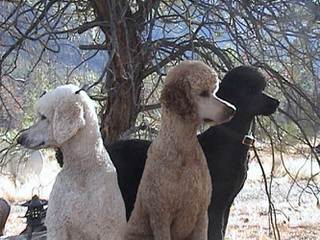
(226, 154)
(4, 213)
(35, 215)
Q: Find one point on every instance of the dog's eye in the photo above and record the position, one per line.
(43, 117)
(204, 94)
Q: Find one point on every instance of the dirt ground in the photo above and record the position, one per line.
(296, 221)
(298, 215)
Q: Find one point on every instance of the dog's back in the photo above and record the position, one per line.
(129, 172)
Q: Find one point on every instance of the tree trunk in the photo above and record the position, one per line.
(124, 80)
(122, 105)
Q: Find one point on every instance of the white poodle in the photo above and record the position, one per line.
(85, 202)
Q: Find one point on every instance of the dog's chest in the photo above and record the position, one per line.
(195, 187)
(185, 184)
(195, 183)
(84, 203)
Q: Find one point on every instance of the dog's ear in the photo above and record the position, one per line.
(67, 120)
(176, 96)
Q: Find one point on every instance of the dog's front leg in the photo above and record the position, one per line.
(200, 231)
(58, 234)
(160, 226)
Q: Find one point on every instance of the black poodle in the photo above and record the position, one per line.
(225, 147)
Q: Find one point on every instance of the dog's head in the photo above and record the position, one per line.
(61, 114)
(243, 87)
(189, 92)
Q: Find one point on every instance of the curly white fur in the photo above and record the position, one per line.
(85, 202)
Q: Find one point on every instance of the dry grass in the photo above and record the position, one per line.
(298, 215)
(296, 221)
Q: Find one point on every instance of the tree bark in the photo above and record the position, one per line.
(124, 81)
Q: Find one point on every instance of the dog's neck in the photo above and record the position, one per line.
(240, 124)
(176, 133)
(234, 130)
(85, 150)
(176, 126)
